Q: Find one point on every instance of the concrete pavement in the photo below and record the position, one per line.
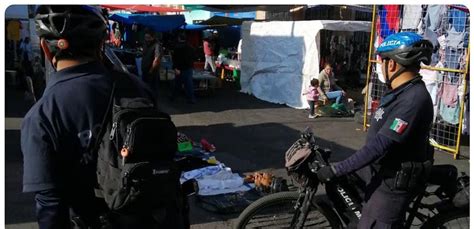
(249, 134)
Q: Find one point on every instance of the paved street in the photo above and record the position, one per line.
(249, 134)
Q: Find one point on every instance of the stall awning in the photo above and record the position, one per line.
(241, 8)
(241, 15)
(142, 8)
(158, 23)
(194, 27)
(219, 20)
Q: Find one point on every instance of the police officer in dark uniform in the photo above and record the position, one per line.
(397, 140)
(62, 125)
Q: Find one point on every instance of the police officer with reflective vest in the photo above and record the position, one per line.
(397, 152)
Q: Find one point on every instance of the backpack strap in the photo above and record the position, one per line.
(93, 148)
(103, 128)
(105, 120)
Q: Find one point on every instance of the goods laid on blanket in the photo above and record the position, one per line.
(212, 176)
(220, 189)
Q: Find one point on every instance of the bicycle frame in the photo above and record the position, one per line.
(348, 204)
(302, 207)
(345, 200)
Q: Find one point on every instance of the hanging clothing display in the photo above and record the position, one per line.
(450, 114)
(452, 61)
(434, 16)
(431, 79)
(458, 19)
(449, 108)
(447, 28)
(449, 94)
(431, 36)
(455, 39)
(413, 15)
(393, 17)
(389, 19)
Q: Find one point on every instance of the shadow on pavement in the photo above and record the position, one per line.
(259, 146)
(220, 100)
(248, 149)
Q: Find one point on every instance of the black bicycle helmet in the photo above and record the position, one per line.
(81, 25)
(406, 48)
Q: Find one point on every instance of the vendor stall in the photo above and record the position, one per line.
(280, 58)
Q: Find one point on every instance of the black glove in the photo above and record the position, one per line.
(325, 173)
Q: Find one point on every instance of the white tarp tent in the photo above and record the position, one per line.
(280, 58)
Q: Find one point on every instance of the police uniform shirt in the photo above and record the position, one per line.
(57, 130)
(405, 115)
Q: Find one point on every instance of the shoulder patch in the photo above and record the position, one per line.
(398, 125)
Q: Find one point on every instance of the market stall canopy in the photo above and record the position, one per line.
(194, 27)
(240, 8)
(142, 8)
(242, 15)
(157, 23)
(219, 20)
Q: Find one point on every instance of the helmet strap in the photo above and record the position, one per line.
(388, 80)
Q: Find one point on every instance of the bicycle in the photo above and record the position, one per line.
(341, 206)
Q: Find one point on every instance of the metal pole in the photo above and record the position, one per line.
(462, 106)
(368, 68)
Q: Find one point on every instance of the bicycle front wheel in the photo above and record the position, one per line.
(455, 219)
(277, 210)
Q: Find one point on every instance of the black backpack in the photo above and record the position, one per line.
(136, 172)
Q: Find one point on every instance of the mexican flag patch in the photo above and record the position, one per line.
(398, 125)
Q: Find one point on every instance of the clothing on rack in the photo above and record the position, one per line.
(393, 17)
(455, 40)
(388, 20)
(431, 79)
(452, 61)
(434, 16)
(450, 114)
(412, 14)
(449, 94)
(457, 19)
(447, 27)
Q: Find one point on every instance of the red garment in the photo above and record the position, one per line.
(393, 17)
(449, 94)
(112, 37)
(207, 48)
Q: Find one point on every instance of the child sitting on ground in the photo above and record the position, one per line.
(312, 95)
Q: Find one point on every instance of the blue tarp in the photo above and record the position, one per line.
(241, 15)
(194, 27)
(157, 23)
